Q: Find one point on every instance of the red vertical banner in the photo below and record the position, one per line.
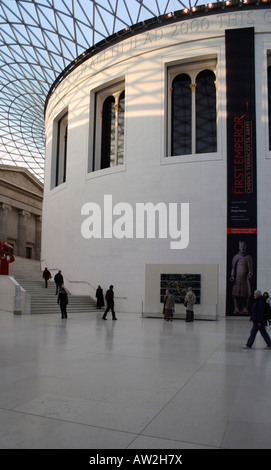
(241, 171)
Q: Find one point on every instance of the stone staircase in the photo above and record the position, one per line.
(29, 275)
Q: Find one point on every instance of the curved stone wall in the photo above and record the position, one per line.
(93, 217)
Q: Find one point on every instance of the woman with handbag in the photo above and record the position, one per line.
(169, 305)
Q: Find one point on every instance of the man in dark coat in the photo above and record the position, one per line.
(58, 281)
(99, 297)
(46, 276)
(109, 297)
(259, 321)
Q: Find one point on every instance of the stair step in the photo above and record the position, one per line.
(29, 275)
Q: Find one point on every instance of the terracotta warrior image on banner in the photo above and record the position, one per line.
(241, 275)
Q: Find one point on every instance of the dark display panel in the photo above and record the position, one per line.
(178, 284)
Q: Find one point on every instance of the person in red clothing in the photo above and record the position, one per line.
(259, 321)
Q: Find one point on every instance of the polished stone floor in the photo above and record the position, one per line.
(135, 383)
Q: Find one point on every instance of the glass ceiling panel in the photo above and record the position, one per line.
(38, 39)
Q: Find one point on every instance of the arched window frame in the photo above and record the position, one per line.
(116, 95)
(192, 69)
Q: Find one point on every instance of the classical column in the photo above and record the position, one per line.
(38, 237)
(4, 210)
(22, 235)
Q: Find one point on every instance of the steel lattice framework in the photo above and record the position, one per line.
(40, 38)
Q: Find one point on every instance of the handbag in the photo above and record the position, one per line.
(185, 303)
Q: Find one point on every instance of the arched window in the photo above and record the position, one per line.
(109, 128)
(192, 106)
(108, 132)
(205, 112)
(181, 143)
(59, 156)
(121, 109)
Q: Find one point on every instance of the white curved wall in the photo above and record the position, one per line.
(147, 174)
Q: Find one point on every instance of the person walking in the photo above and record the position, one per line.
(63, 301)
(169, 305)
(259, 321)
(59, 281)
(267, 308)
(190, 300)
(109, 297)
(46, 276)
(99, 297)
